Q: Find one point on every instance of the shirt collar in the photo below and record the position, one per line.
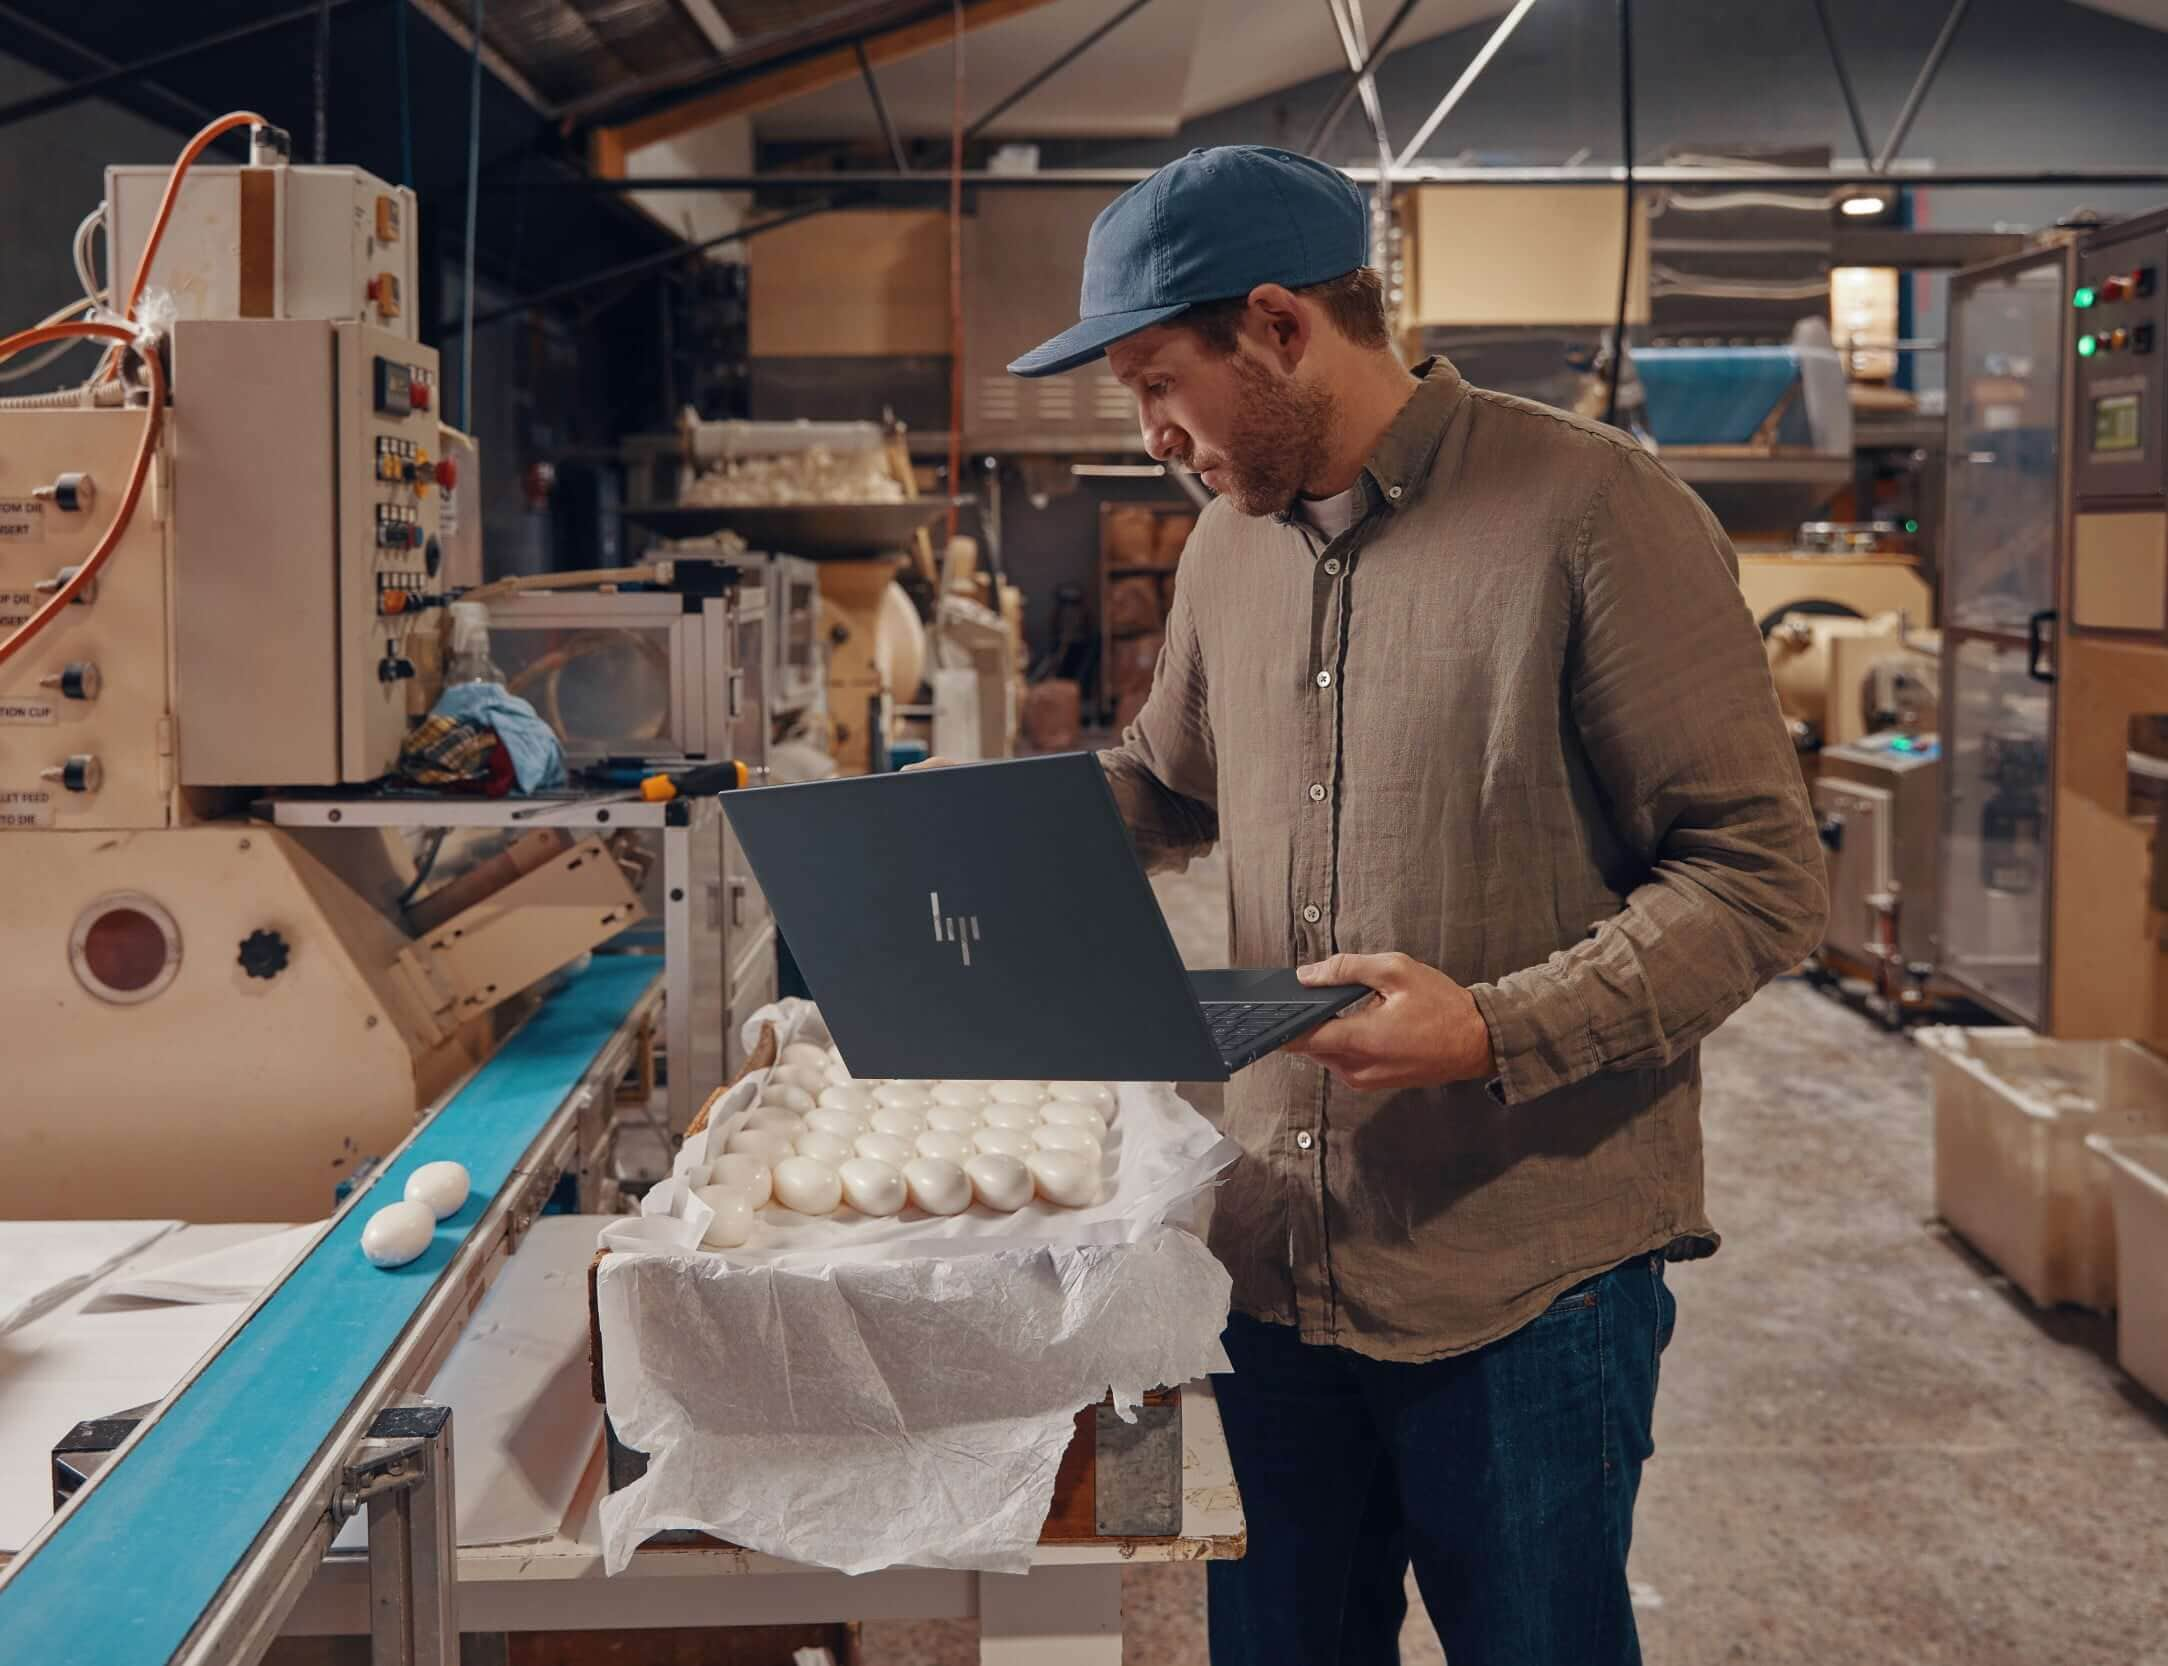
(1407, 451)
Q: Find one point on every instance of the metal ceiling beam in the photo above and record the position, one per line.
(1476, 65)
(1344, 21)
(1353, 84)
(1926, 79)
(1824, 179)
(1844, 79)
(59, 98)
(880, 108)
(197, 115)
(1061, 62)
(494, 61)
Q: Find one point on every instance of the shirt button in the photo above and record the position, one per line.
(1317, 792)
(1333, 566)
(1313, 914)
(1392, 491)
(1304, 1141)
(1324, 679)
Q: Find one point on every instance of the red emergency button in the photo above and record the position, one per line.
(447, 473)
(419, 395)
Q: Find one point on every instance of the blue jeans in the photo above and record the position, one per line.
(1507, 1476)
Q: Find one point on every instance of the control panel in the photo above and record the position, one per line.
(390, 558)
(2119, 544)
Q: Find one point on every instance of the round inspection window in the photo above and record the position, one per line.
(125, 948)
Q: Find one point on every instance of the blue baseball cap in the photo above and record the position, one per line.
(1209, 227)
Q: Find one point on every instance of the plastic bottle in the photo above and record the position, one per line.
(469, 661)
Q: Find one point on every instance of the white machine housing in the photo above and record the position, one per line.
(271, 242)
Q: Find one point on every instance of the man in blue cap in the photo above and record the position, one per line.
(1466, 688)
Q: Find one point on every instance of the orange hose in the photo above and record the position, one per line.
(139, 472)
(194, 148)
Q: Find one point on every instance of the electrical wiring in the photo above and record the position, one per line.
(85, 272)
(139, 471)
(1626, 242)
(193, 149)
(15, 373)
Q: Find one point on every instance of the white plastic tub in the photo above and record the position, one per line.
(2138, 1171)
(2012, 1175)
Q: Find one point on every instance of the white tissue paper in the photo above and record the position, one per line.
(861, 1394)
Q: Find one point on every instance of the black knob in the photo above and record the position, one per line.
(387, 669)
(80, 681)
(432, 557)
(1831, 829)
(264, 954)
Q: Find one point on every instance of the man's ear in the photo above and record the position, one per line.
(1279, 324)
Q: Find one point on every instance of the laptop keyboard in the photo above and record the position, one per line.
(1236, 1023)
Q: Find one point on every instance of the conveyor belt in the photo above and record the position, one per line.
(123, 1580)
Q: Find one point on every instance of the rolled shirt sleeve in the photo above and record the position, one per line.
(1673, 707)
(1165, 772)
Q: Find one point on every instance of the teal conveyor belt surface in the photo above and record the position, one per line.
(123, 1582)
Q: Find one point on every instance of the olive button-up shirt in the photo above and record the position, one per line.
(1516, 723)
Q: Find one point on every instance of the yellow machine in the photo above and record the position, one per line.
(220, 574)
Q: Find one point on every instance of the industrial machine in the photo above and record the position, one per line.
(2056, 635)
(1877, 802)
(221, 577)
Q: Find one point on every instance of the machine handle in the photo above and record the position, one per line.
(737, 690)
(2036, 643)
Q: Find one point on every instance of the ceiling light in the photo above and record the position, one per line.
(1860, 207)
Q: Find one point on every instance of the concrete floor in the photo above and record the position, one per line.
(1869, 1448)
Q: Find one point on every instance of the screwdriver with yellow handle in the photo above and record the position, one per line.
(705, 781)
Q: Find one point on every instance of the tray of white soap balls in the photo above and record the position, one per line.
(818, 1142)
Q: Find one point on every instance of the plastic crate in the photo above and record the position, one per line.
(2012, 1175)
(2138, 1180)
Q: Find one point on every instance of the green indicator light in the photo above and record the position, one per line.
(1900, 744)
(2083, 298)
(2088, 346)
(1912, 526)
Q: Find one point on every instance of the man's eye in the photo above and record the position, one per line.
(1157, 390)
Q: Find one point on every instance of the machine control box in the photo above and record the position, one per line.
(1878, 802)
(2119, 543)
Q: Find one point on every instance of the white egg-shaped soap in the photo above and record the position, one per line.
(999, 1182)
(1016, 1093)
(953, 1119)
(937, 1186)
(871, 1186)
(960, 1093)
(947, 1148)
(732, 1223)
(1001, 1113)
(1067, 1113)
(770, 1145)
(743, 1174)
(1098, 1095)
(823, 1146)
(776, 1117)
(895, 1119)
(442, 1186)
(1056, 1136)
(397, 1233)
(808, 1185)
(1064, 1177)
(886, 1148)
(804, 1055)
(846, 1125)
(905, 1095)
(809, 1082)
(787, 1096)
(847, 1096)
(1009, 1142)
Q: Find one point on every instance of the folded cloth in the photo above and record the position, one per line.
(451, 752)
(538, 757)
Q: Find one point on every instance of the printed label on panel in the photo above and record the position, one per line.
(22, 521)
(25, 807)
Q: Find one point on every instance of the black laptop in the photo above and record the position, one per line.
(991, 921)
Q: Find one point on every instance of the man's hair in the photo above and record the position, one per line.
(1354, 302)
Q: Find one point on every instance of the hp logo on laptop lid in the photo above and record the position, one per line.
(960, 929)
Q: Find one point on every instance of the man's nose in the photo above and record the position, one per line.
(1163, 441)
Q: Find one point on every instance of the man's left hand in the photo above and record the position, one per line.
(1424, 1030)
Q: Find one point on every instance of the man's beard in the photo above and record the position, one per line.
(1279, 441)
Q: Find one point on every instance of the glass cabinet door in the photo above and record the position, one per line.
(2003, 519)
(1998, 797)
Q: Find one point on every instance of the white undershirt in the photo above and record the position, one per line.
(1333, 515)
